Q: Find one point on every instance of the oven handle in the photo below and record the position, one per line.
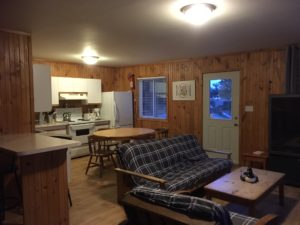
(82, 127)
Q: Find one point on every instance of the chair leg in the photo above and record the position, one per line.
(19, 188)
(88, 166)
(101, 162)
(69, 197)
(2, 200)
(113, 160)
(101, 165)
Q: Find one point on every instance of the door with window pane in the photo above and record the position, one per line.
(221, 112)
(153, 98)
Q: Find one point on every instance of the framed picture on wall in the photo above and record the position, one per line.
(184, 90)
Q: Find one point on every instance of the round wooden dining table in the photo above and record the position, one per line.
(126, 133)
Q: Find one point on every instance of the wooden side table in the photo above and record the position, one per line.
(251, 159)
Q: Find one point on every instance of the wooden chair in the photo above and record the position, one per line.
(99, 148)
(161, 133)
(110, 143)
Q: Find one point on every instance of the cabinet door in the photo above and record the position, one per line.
(42, 88)
(94, 91)
(55, 90)
(79, 84)
(68, 84)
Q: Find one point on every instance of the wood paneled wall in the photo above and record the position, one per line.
(16, 93)
(62, 69)
(262, 73)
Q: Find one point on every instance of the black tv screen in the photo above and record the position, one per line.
(284, 123)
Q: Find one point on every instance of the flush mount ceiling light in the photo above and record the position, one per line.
(88, 59)
(198, 13)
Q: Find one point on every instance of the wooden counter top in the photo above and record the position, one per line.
(30, 143)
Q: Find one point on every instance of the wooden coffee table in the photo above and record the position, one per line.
(231, 188)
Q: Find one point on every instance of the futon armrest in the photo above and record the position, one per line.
(161, 182)
(269, 219)
(228, 154)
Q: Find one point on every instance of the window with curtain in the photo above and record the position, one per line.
(153, 98)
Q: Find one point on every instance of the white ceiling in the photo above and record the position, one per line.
(128, 32)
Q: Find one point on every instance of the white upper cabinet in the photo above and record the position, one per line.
(94, 91)
(66, 84)
(42, 88)
(55, 90)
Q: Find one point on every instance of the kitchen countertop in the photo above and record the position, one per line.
(64, 123)
(55, 124)
(30, 143)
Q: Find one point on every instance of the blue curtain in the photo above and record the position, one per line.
(293, 70)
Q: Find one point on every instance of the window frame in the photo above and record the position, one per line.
(139, 117)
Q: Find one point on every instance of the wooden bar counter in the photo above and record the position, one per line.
(43, 176)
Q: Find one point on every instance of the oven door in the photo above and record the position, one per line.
(80, 132)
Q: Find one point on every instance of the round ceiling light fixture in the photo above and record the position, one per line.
(90, 59)
(198, 13)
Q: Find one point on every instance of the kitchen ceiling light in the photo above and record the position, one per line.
(198, 13)
(90, 59)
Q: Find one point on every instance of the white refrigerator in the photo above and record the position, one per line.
(117, 107)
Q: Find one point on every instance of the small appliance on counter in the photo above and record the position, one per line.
(86, 116)
(97, 113)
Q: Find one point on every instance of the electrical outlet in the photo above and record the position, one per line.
(249, 108)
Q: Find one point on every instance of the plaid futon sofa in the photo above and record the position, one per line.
(175, 164)
(197, 210)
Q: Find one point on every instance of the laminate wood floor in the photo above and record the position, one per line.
(95, 201)
(94, 198)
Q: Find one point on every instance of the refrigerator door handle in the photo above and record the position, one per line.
(115, 114)
(118, 114)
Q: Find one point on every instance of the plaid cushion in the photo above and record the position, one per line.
(152, 156)
(240, 219)
(180, 161)
(192, 206)
(187, 174)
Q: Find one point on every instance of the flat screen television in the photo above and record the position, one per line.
(284, 124)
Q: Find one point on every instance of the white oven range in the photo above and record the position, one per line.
(80, 130)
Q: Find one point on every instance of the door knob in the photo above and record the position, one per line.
(236, 125)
